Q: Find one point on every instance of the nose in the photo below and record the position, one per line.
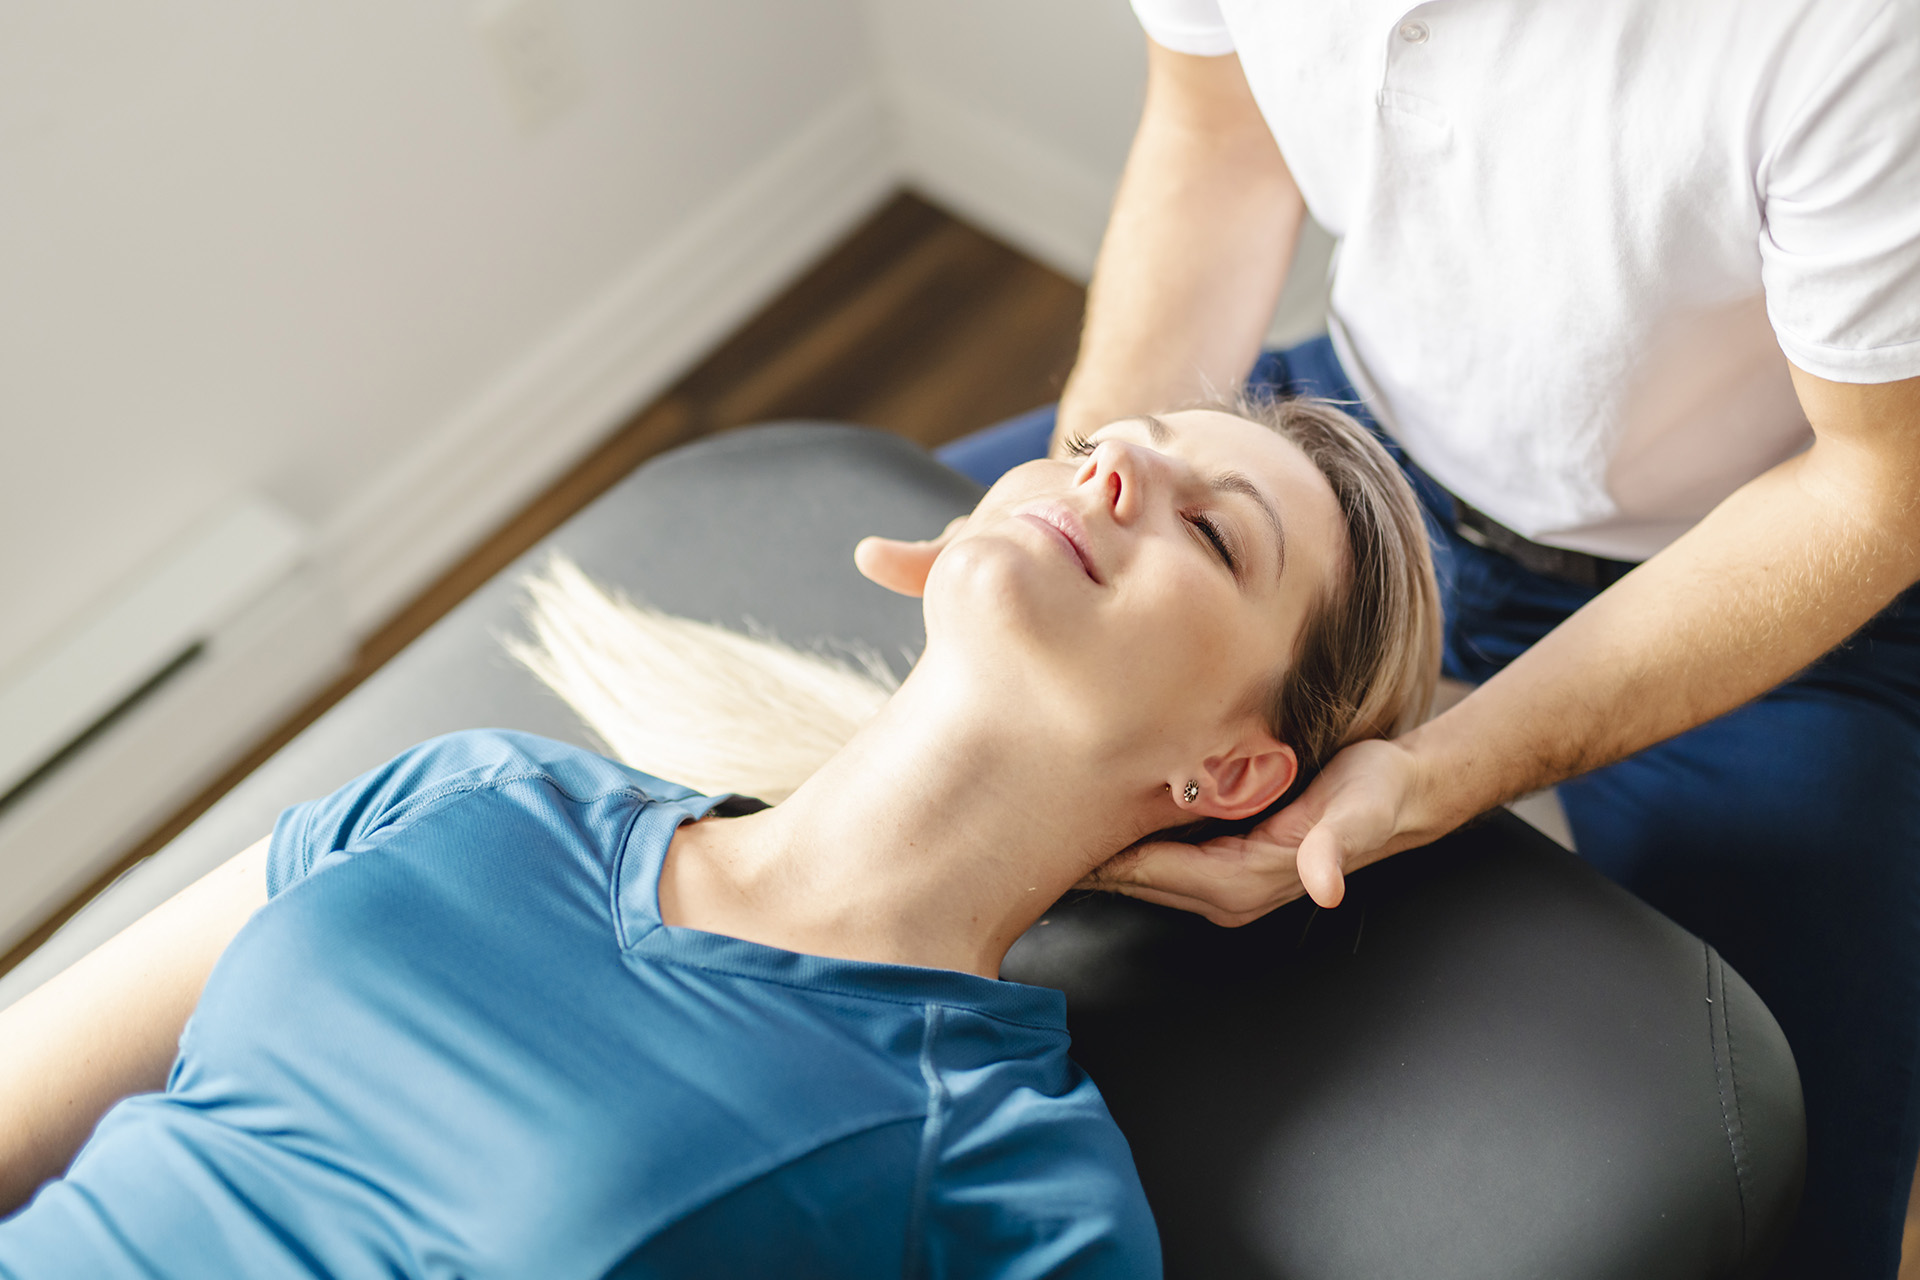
(1124, 474)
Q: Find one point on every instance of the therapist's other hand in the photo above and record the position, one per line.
(1360, 809)
(903, 566)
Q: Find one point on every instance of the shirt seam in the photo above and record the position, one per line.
(618, 877)
(904, 1001)
(933, 1016)
(1763, 171)
(1793, 336)
(416, 805)
(303, 846)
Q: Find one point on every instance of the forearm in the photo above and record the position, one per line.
(110, 1025)
(1777, 575)
(1196, 250)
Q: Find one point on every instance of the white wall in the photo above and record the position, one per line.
(280, 247)
(1018, 113)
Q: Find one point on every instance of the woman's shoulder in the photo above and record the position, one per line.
(436, 781)
(492, 761)
(477, 758)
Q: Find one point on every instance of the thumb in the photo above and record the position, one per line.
(902, 566)
(1319, 864)
(897, 566)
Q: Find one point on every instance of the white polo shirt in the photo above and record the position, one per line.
(1575, 240)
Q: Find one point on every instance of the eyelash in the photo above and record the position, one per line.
(1078, 446)
(1211, 532)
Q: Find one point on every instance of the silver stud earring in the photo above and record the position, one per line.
(1192, 792)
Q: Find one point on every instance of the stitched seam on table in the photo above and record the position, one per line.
(930, 1135)
(1721, 1080)
(1742, 1163)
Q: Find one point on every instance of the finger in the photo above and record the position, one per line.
(895, 565)
(1289, 827)
(1237, 879)
(1319, 865)
(1211, 911)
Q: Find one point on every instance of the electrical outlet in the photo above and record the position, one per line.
(535, 61)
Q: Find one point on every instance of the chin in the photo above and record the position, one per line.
(999, 594)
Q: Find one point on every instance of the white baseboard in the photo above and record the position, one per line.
(1048, 204)
(649, 326)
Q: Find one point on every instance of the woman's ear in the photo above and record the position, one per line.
(1247, 779)
(902, 566)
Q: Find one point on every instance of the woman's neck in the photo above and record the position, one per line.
(936, 837)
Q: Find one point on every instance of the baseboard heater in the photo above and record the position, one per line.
(115, 716)
(98, 672)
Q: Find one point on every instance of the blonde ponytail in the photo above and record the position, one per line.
(690, 702)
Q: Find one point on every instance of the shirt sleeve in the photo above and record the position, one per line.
(1185, 26)
(1840, 241)
(1049, 1191)
(354, 817)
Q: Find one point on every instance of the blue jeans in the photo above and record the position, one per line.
(1786, 833)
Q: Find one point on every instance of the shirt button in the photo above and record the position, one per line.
(1414, 32)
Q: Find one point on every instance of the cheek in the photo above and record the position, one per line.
(1191, 651)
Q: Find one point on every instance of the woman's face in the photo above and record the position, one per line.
(1153, 585)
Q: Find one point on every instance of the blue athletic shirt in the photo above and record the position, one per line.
(458, 1041)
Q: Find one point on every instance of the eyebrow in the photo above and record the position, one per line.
(1230, 482)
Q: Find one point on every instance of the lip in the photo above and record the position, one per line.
(1065, 525)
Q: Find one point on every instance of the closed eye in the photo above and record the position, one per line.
(1211, 532)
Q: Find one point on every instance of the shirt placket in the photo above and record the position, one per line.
(1407, 80)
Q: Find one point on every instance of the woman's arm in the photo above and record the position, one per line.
(109, 1026)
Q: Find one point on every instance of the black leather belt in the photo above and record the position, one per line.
(1482, 530)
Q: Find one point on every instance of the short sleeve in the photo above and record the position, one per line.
(353, 818)
(1185, 26)
(1048, 1190)
(1840, 242)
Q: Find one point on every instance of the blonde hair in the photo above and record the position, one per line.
(716, 710)
(1368, 656)
(690, 702)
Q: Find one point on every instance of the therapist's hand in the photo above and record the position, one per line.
(903, 566)
(1364, 805)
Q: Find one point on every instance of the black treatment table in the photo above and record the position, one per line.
(1488, 1063)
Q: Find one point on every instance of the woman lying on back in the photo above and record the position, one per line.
(504, 1007)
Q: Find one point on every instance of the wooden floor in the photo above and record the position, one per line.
(917, 323)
